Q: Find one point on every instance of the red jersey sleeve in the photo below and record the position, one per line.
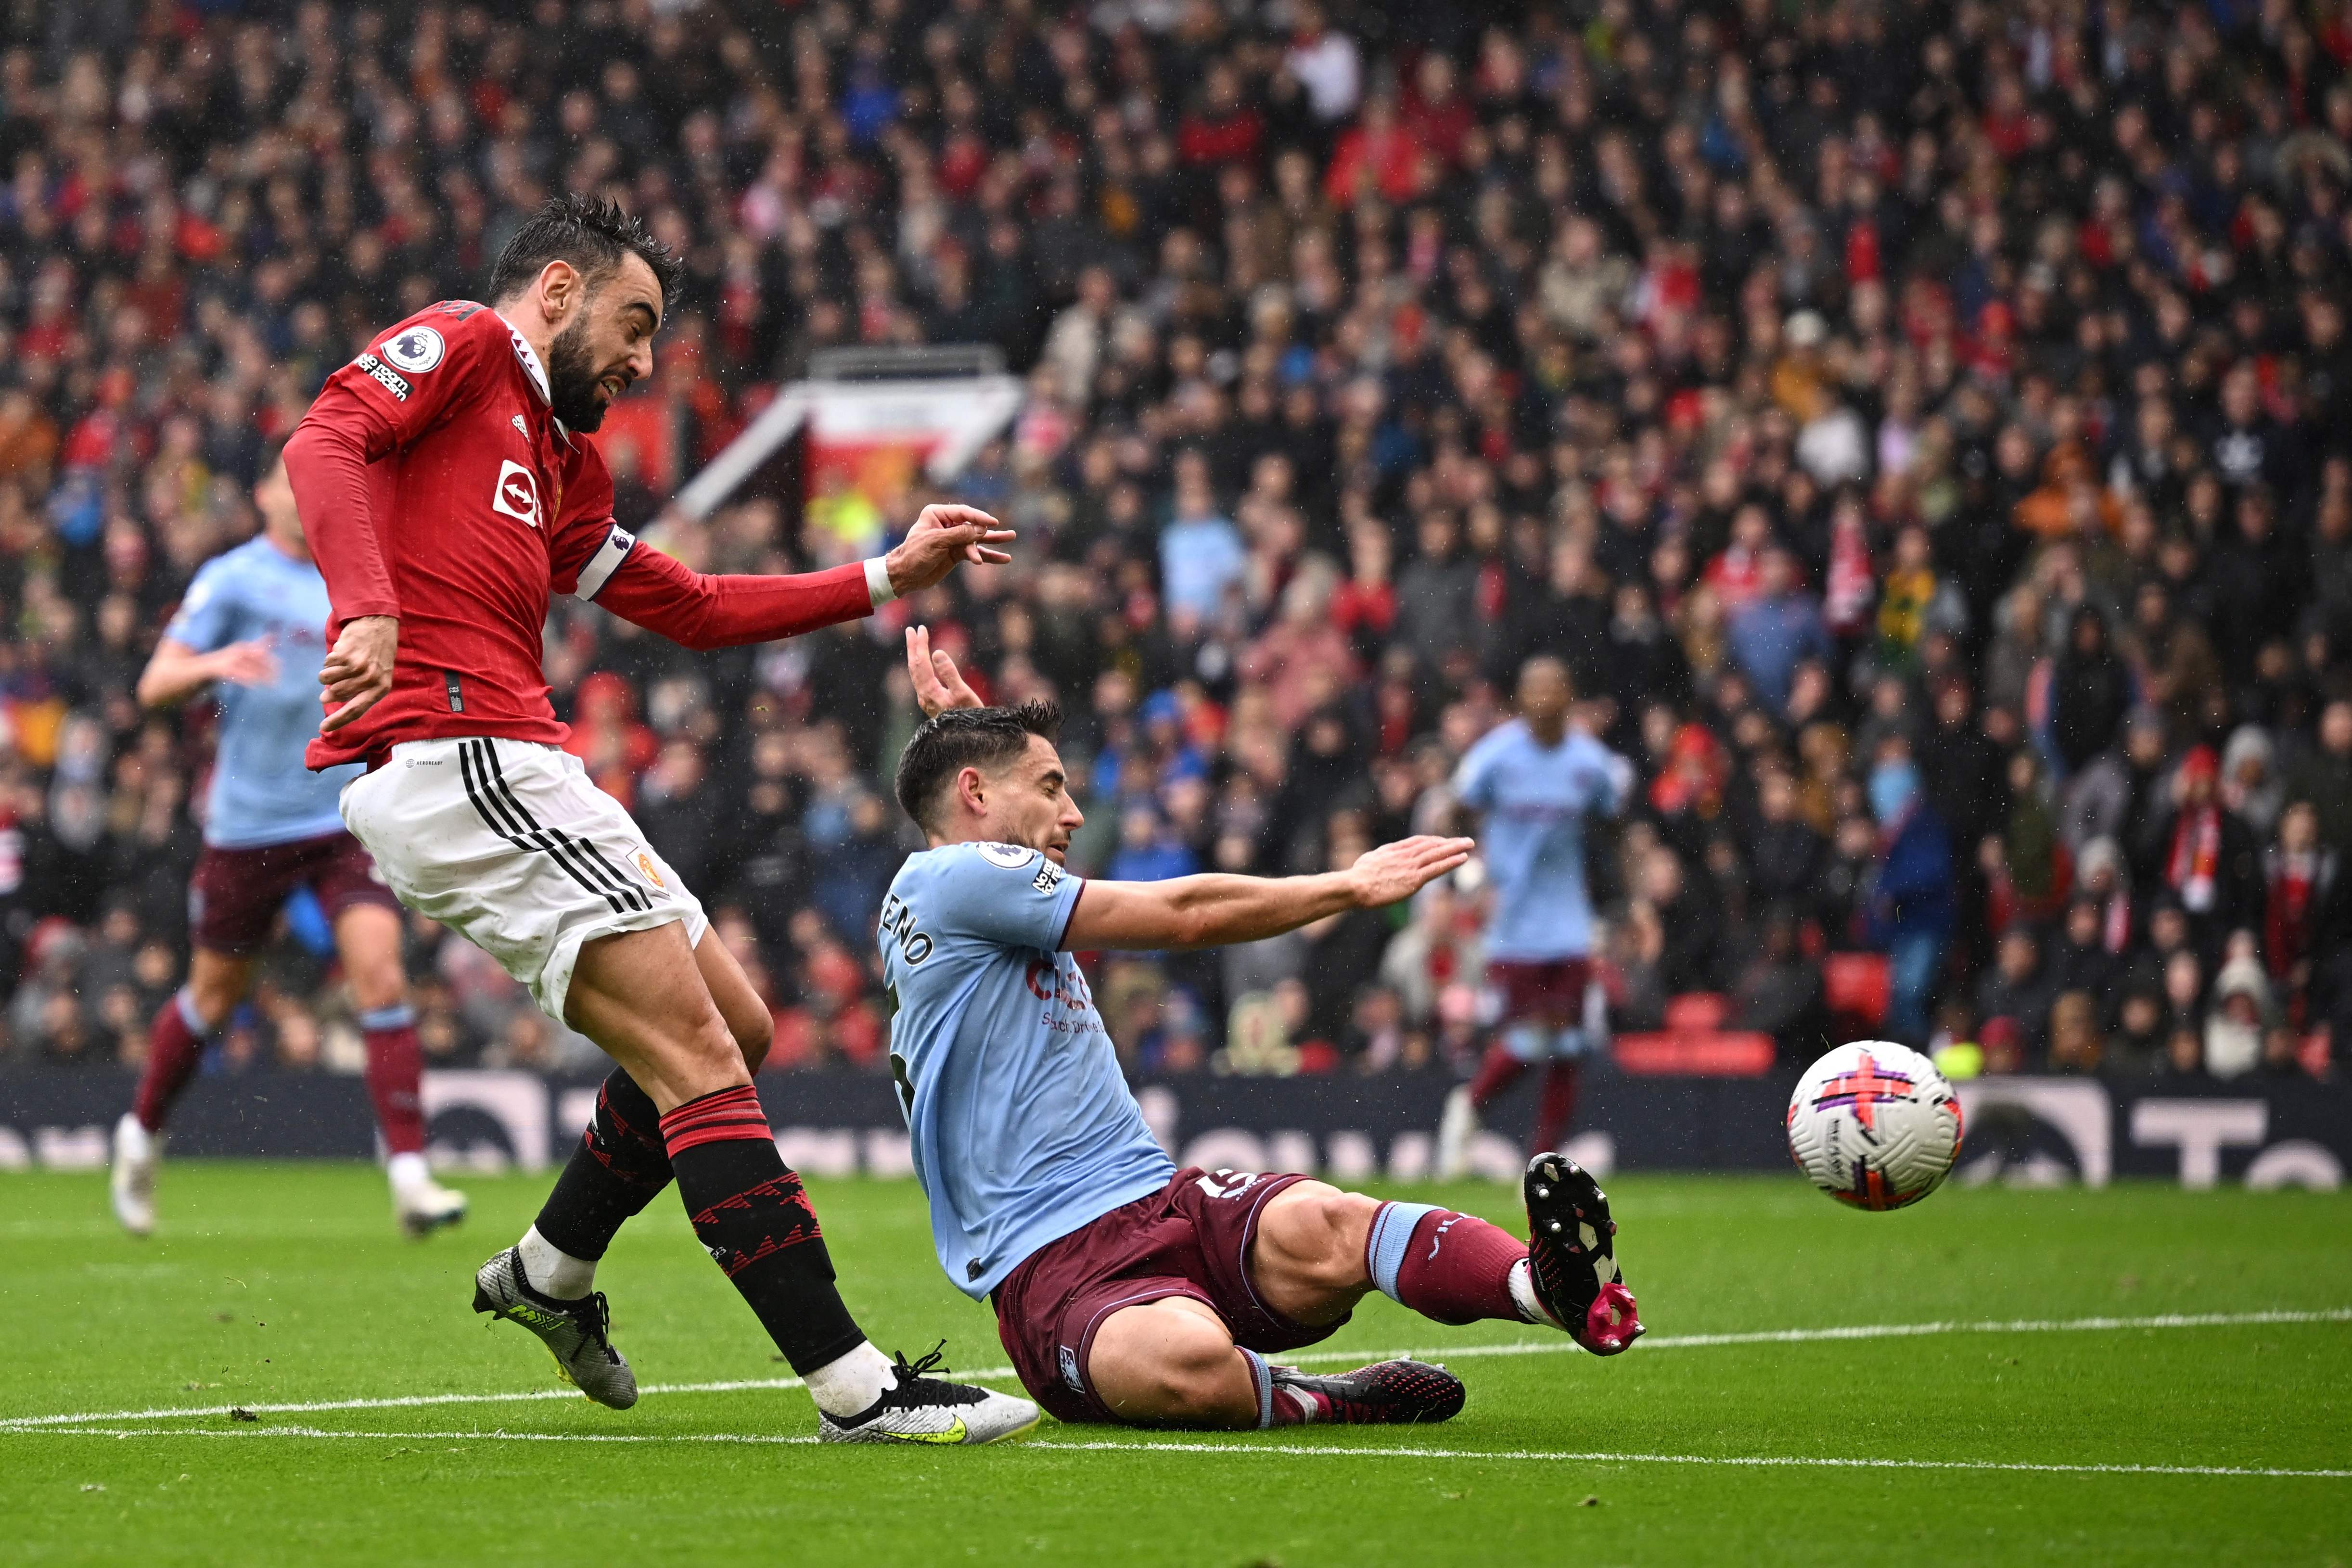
(596, 561)
(407, 380)
(662, 594)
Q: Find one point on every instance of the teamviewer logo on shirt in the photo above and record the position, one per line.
(517, 494)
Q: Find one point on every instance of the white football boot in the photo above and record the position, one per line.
(923, 1410)
(421, 1204)
(425, 1208)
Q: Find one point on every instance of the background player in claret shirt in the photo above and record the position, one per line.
(1532, 782)
(248, 630)
(1127, 1290)
(448, 494)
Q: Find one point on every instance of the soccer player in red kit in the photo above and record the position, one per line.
(446, 491)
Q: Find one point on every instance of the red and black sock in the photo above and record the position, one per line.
(1450, 1267)
(619, 1167)
(396, 1076)
(752, 1216)
(175, 1044)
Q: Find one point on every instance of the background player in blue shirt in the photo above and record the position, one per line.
(1125, 1288)
(1533, 782)
(252, 628)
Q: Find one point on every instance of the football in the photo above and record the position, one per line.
(1875, 1124)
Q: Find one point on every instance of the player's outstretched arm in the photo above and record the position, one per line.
(178, 672)
(1210, 911)
(945, 536)
(700, 610)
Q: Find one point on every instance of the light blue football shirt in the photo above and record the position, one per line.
(261, 793)
(1533, 800)
(1023, 1126)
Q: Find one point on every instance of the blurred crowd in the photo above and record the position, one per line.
(1920, 426)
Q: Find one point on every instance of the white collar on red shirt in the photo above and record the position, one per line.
(534, 369)
(528, 356)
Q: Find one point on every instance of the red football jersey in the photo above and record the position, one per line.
(435, 484)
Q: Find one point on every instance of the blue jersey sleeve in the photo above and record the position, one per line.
(207, 615)
(1002, 893)
(1602, 779)
(1474, 781)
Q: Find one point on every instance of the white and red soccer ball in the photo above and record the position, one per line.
(1875, 1124)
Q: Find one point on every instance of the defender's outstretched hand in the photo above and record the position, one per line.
(939, 685)
(943, 537)
(358, 671)
(1381, 876)
(251, 663)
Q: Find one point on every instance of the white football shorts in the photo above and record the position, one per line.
(509, 843)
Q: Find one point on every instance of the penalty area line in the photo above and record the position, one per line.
(1242, 1450)
(1551, 1346)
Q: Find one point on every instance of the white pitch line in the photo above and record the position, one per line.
(408, 1402)
(1240, 1448)
(497, 1435)
(2017, 1325)
(1552, 1346)
(1759, 1461)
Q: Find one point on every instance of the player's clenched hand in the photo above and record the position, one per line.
(1400, 870)
(942, 537)
(358, 671)
(939, 685)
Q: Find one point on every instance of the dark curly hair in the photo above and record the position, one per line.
(592, 235)
(962, 737)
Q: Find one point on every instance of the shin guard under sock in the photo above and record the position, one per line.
(1450, 1267)
(755, 1221)
(619, 1166)
(396, 1076)
(175, 1044)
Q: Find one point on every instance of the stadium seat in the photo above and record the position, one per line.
(1695, 1053)
(1857, 985)
(1697, 1011)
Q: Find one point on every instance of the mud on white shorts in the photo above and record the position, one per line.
(508, 842)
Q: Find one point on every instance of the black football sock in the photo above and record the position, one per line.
(619, 1167)
(752, 1216)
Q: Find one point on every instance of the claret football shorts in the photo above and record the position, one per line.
(508, 842)
(235, 895)
(1191, 1239)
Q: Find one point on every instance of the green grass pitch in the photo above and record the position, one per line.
(275, 1285)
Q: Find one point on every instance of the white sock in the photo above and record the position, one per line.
(850, 1383)
(132, 1138)
(554, 1272)
(408, 1171)
(1523, 1296)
